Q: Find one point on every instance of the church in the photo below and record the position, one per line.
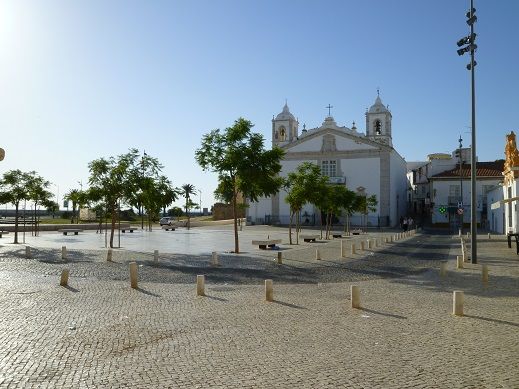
(365, 163)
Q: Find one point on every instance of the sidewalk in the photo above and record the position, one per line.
(101, 333)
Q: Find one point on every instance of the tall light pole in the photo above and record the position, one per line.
(460, 205)
(471, 47)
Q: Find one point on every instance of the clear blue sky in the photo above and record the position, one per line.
(80, 80)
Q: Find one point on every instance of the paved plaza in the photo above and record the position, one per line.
(100, 333)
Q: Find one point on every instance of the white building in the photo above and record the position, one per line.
(365, 163)
(496, 210)
(451, 191)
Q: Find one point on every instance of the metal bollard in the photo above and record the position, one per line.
(133, 275)
(200, 285)
(269, 292)
(355, 296)
(457, 303)
(64, 277)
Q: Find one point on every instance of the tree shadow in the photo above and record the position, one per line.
(71, 289)
(216, 298)
(147, 292)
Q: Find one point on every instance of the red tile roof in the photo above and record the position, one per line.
(483, 169)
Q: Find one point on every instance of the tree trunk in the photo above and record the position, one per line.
(290, 227)
(16, 222)
(298, 225)
(234, 215)
(112, 232)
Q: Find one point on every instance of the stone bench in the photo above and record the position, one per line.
(356, 232)
(131, 229)
(337, 234)
(3, 232)
(65, 231)
(309, 238)
(167, 228)
(264, 243)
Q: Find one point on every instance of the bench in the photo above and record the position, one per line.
(3, 232)
(509, 238)
(131, 229)
(356, 232)
(309, 238)
(167, 228)
(337, 234)
(264, 243)
(65, 231)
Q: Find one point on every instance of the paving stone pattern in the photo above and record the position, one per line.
(98, 332)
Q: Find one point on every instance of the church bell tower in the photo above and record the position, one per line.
(378, 123)
(284, 127)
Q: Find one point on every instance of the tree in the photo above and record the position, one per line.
(242, 163)
(187, 191)
(112, 182)
(301, 186)
(175, 212)
(38, 193)
(79, 198)
(16, 186)
(364, 205)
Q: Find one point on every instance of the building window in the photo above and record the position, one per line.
(329, 168)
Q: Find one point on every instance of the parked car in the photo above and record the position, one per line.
(166, 221)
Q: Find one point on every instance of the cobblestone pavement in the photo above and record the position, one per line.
(98, 332)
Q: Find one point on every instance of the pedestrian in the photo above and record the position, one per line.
(404, 224)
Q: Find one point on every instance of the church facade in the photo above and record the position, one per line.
(365, 163)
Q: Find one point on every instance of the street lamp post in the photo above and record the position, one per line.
(460, 205)
(201, 212)
(471, 47)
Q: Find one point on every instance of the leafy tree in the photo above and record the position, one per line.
(364, 205)
(78, 198)
(187, 191)
(112, 181)
(243, 165)
(16, 186)
(175, 212)
(38, 193)
(52, 207)
(339, 197)
(301, 186)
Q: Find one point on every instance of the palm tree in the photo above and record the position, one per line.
(187, 191)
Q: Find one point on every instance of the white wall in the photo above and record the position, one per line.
(398, 181)
(342, 144)
(496, 217)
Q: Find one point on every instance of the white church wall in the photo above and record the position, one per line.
(363, 172)
(398, 201)
(496, 210)
(342, 144)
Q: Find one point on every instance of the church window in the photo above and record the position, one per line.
(329, 168)
(378, 127)
(282, 134)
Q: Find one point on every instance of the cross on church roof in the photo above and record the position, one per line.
(329, 109)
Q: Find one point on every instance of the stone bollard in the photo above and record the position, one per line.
(489, 235)
(109, 255)
(133, 275)
(64, 252)
(200, 285)
(391, 239)
(156, 255)
(269, 292)
(443, 268)
(64, 277)
(386, 240)
(459, 262)
(457, 303)
(343, 249)
(459, 232)
(484, 273)
(468, 235)
(280, 258)
(28, 252)
(214, 259)
(355, 296)
(370, 244)
(317, 254)
(353, 251)
(362, 245)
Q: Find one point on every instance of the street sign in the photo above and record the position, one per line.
(460, 211)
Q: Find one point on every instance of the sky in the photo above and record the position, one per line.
(85, 79)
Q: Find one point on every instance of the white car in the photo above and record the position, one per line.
(165, 221)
